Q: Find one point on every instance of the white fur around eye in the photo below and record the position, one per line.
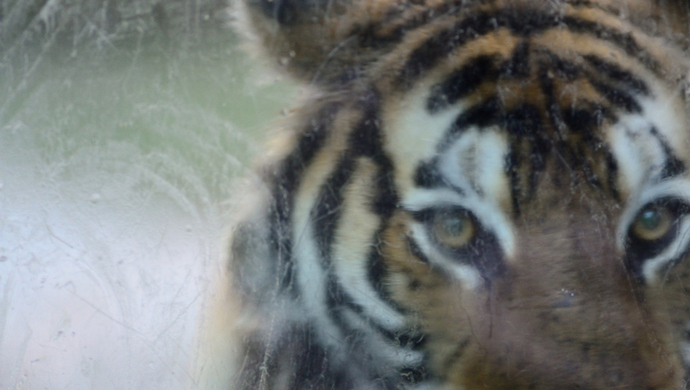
(678, 188)
(468, 275)
(651, 267)
(488, 215)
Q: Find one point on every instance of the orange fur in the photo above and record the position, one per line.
(566, 307)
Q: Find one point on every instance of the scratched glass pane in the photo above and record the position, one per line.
(458, 194)
(123, 127)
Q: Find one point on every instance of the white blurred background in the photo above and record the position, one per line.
(123, 126)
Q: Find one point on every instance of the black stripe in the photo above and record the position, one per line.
(431, 51)
(286, 178)
(364, 141)
(404, 338)
(338, 300)
(427, 175)
(414, 375)
(481, 69)
(371, 38)
(673, 166)
(563, 68)
(387, 199)
(539, 149)
(524, 124)
(584, 117)
(553, 108)
(326, 212)
(369, 143)
(325, 216)
(484, 114)
(512, 167)
(634, 261)
(416, 251)
(617, 96)
(612, 171)
(571, 71)
(517, 66)
(312, 367)
(624, 41)
(584, 121)
(618, 74)
(586, 166)
(462, 82)
(580, 3)
(378, 272)
(522, 22)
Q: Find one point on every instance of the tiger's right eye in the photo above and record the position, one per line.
(652, 223)
(453, 228)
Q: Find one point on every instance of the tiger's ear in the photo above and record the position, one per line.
(320, 41)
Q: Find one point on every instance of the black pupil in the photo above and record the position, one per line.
(454, 225)
(650, 219)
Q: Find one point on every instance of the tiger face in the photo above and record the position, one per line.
(478, 195)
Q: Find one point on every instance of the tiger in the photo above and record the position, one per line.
(470, 194)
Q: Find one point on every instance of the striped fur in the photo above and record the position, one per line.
(551, 127)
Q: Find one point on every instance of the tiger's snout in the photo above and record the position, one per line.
(568, 315)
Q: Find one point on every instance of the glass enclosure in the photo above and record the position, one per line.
(124, 127)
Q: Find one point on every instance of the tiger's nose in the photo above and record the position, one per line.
(569, 345)
(569, 318)
(539, 337)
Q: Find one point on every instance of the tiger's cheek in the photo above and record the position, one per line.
(438, 305)
(672, 298)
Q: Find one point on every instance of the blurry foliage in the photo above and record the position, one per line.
(164, 78)
(38, 34)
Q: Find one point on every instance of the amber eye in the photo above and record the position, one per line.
(652, 223)
(454, 228)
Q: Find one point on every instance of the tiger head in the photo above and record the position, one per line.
(484, 194)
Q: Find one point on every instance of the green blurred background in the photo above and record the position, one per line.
(163, 77)
(124, 126)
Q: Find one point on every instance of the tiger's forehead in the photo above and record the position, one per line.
(511, 84)
(495, 150)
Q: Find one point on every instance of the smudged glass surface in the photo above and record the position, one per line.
(123, 128)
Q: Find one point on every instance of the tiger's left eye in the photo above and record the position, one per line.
(652, 223)
(454, 228)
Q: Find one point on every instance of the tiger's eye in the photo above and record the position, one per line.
(454, 228)
(652, 223)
